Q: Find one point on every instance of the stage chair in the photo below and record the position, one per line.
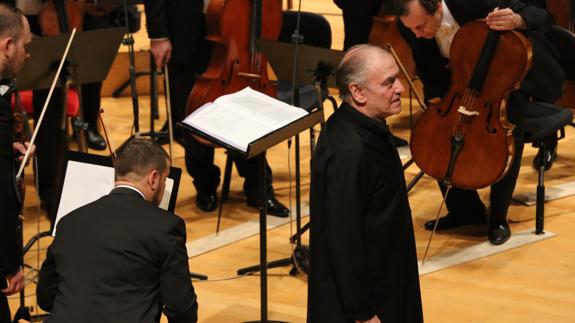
(544, 123)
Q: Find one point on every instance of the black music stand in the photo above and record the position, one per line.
(89, 60)
(258, 149)
(315, 65)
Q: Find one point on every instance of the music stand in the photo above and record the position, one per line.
(315, 65)
(257, 149)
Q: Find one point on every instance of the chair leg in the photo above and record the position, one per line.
(540, 204)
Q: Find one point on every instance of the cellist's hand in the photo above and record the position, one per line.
(15, 282)
(505, 19)
(162, 51)
(374, 319)
(20, 150)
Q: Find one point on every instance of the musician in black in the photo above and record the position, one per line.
(429, 26)
(177, 33)
(363, 264)
(14, 38)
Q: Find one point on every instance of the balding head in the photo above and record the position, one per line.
(15, 37)
(355, 66)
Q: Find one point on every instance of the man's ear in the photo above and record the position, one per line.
(5, 45)
(357, 94)
(154, 180)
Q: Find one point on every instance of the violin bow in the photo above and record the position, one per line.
(168, 109)
(54, 81)
(407, 77)
(104, 124)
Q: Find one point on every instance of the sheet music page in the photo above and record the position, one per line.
(243, 117)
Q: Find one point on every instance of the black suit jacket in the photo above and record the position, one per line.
(179, 20)
(118, 259)
(10, 247)
(545, 79)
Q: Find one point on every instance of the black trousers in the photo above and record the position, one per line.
(5, 316)
(199, 157)
(357, 28)
(462, 202)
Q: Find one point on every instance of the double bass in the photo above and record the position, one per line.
(236, 61)
(466, 140)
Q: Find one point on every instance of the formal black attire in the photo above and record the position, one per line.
(10, 244)
(543, 82)
(363, 259)
(118, 259)
(357, 20)
(182, 22)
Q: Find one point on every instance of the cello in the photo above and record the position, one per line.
(465, 140)
(236, 61)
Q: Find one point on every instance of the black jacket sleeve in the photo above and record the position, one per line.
(48, 281)
(10, 248)
(176, 290)
(345, 187)
(157, 18)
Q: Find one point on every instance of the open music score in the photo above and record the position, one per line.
(241, 118)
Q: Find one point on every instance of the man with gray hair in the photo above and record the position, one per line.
(363, 263)
(121, 258)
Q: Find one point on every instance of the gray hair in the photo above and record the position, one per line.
(354, 68)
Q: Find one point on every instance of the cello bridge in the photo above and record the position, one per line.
(463, 110)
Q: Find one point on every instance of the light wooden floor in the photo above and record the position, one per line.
(534, 283)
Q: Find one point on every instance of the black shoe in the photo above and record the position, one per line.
(550, 156)
(450, 221)
(95, 140)
(275, 208)
(399, 141)
(206, 202)
(499, 233)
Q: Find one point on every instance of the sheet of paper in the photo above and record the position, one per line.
(243, 117)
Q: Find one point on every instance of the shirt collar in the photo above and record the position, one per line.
(132, 188)
(361, 119)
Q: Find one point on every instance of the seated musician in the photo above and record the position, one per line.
(121, 258)
(429, 26)
(363, 261)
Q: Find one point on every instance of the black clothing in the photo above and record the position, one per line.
(10, 245)
(357, 20)
(543, 82)
(118, 259)
(183, 23)
(363, 259)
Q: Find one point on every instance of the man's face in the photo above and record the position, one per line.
(421, 23)
(17, 51)
(382, 91)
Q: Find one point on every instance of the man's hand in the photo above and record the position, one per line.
(374, 319)
(505, 19)
(20, 149)
(15, 283)
(162, 51)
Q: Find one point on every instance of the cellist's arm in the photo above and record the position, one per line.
(157, 26)
(530, 15)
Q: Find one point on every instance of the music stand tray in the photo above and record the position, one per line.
(258, 149)
(90, 58)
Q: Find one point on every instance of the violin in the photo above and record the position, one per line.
(60, 16)
(236, 60)
(465, 140)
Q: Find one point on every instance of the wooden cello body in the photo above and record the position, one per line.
(234, 27)
(465, 140)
